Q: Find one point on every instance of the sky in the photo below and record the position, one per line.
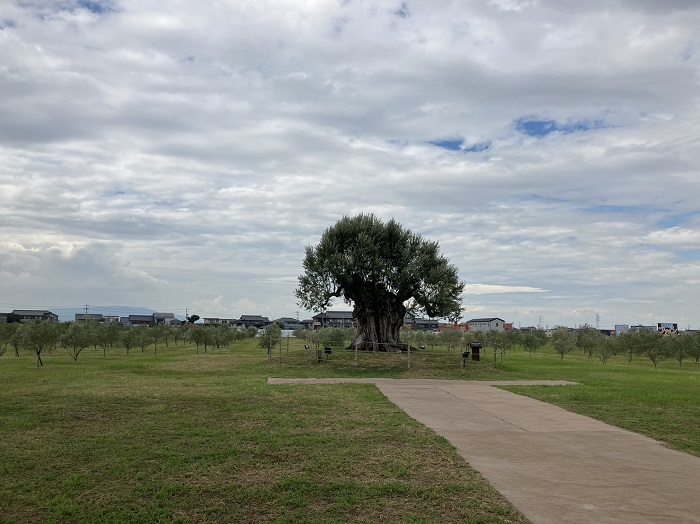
(180, 155)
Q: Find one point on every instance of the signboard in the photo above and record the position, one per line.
(667, 328)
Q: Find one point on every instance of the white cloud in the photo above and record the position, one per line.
(183, 157)
(488, 289)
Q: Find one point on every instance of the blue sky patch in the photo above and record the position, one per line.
(454, 144)
(676, 220)
(98, 7)
(689, 255)
(476, 148)
(540, 128)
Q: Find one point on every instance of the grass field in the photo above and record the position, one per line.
(187, 437)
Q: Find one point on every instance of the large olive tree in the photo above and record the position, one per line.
(384, 271)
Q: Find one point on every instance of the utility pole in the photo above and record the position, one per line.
(597, 320)
(86, 308)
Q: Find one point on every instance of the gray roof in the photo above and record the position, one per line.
(27, 312)
(255, 318)
(141, 317)
(484, 320)
(163, 315)
(335, 314)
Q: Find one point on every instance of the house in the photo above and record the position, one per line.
(84, 317)
(216, 321)
(163, 318)
(307, 323)
(486, 324)
(288, 323)
(257, 321)
(425, 324)
(155, 319)
(333, 319)
(136, 320)
(35, 314)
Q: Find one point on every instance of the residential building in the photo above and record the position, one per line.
(333, 319)
(35, 314)
(425, 324)
(163, 318)
(84, 317)
(289, 323)
(486, 324)
(621, 328)
(136, 320)
(257, 321)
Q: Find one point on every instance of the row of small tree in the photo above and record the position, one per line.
(641, 342)
(638, 343)
(451, 339)
(41, 337)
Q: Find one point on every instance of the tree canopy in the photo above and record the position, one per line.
(384, 271)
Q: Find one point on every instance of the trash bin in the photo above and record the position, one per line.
(476, 348)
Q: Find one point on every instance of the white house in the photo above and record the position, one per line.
(486, 324)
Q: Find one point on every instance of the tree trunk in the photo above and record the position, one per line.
(378, 325)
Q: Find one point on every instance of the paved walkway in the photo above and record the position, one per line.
(554, 466)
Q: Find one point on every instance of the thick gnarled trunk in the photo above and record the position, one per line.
(378, 326)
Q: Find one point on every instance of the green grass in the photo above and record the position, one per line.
(186, 437)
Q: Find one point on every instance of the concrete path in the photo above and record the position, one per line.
(554, 466)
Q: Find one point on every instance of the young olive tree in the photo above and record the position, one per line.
(563, 341)
(695, 347)
(384, 271)
(652, 344)
(534, 340)
(587, 339)
(680, 346)
(39, 336)
(7, 331)
(451, 338)
(77, 337)
(129, 338)
(606, 348)
(270, 337)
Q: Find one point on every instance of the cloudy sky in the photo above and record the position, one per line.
(180, 155)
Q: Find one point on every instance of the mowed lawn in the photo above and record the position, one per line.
(187, 437)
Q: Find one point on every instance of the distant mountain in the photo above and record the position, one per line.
(68, 314)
